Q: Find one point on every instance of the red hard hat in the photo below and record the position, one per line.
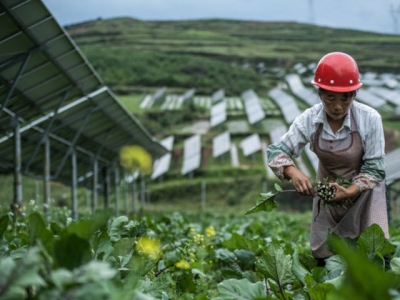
(337, 72)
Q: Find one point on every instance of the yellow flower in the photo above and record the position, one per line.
(149, 247)
(135, 157)
(198, 238)
(192, 230)
(183, 264)
(210, 231)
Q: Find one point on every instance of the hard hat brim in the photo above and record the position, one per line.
(338, 89)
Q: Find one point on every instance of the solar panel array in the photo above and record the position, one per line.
(50, 92)
(286, 103)
(191, 154)
(253, 107)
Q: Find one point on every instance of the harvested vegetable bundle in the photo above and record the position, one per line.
(326, 193)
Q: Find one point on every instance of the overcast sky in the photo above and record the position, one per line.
(367, 15)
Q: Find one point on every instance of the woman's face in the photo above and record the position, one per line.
(336, 105)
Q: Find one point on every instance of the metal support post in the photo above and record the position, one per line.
(46, 178)
(17, 202)
(116, 172)
(74, 186)
(142, 191)
(95, 182)
(106, 186)
(203, 196)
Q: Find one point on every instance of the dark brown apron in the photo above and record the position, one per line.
(343, 158)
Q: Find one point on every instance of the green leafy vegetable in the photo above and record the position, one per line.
(266, 202)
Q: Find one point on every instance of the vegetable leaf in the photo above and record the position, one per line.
(373, 240)
(241, 289)
(266, 202)
(275, 264)
(278, 187)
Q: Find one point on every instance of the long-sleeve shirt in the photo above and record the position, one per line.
(303, 130)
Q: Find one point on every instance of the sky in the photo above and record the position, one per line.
(368, 15)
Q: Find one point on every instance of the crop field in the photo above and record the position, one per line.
(176, 255)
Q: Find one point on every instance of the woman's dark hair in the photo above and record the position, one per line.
(347, 95)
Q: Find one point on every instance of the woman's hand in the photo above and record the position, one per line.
(343, 193)
(300, 181)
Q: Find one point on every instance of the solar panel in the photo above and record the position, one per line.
(188, 94)
(218, 95)
(168, 142)
(190, 164)
(369, 98)
(218, 113)
(161, 166)
(296, 85)
(191, 154)
(392, 161)
(286, 103)
(147, 102)
(159, 94)
(392, 96)
(276, 133)
(251, 144)
(221, 144)
(253, 107)
(202, 101)
(238, 126)
(371, 79)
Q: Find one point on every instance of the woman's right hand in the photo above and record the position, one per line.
(300, 181)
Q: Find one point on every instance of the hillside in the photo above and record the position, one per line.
(131, 54)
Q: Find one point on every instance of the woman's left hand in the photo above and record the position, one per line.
(343, 193)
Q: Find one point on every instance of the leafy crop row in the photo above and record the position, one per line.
(188, 256)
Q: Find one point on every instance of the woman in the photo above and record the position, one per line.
(348, 139)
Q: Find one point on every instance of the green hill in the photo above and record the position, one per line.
(133, 55)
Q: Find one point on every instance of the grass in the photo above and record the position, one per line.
(132, 102)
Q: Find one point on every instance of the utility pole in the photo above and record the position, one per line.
(311, 11)
(395, 13)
